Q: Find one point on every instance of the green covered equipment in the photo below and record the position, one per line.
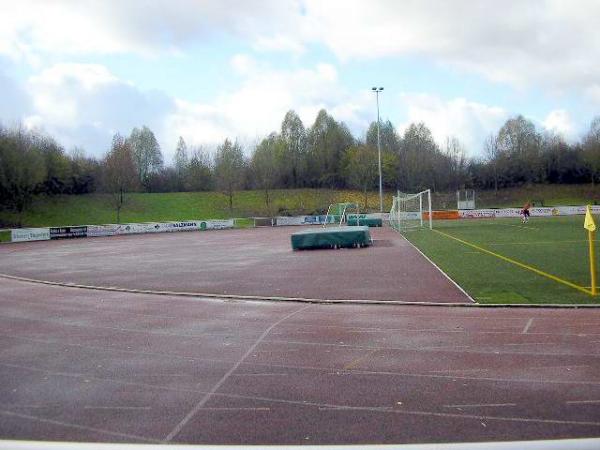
(353, 221)
(337, 237)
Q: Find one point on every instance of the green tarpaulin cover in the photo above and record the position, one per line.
(369, 222)
(331, 237)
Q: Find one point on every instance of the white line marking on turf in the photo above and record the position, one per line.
(440, 270)
(481, 405)
(577, 402)
(216, 387)
(529, 322)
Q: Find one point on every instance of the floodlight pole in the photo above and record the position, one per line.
(377, 91)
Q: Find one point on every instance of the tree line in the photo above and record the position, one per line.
(324, 155)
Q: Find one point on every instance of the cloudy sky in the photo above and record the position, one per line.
(83, 70)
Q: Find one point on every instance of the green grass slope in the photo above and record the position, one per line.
(143, 207)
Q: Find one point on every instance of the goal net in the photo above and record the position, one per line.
(411, 211)
(337, 212)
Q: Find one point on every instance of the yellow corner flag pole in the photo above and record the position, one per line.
(590, 225)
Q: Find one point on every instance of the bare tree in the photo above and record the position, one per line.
(181, 163)
(199, 173)
(229, 168)
(360, 169)
(266, 164)
(492, 153)
(591, 149)
(119, 172)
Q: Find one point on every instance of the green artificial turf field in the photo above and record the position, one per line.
(557, 246)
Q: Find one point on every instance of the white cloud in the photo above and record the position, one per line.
(29, 28)
(279, 43)
(559, 121)
(258, 105)
(549, 42)
(469, 121)
(243, 64)
(541, 42)
(85, 104)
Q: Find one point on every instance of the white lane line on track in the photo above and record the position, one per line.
(306, 403)
(529, 322)
(196, 358)
(582, 402)
(166, 333)
(526, 343)
(216, 387)
(118, 407)
(259, 374)
(481, 405)
(568, 367)
(355, 408)
(459, 370)
(235, 409)
(77, 427)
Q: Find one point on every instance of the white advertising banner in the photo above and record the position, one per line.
(285, 221)
(168, 227)
(158, 227)
(574, 210)
(535, 212)
(29, 234)
(477, 213)
(114, 229)
(368, 216)
(409, 215)
(215, 224)
(303, 220)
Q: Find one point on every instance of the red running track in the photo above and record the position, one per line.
(89, 365)
(258, 262)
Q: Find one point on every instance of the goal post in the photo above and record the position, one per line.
(339, 211)
(411, 211)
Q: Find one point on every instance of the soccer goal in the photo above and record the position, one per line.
(411, 211)
(337, 212)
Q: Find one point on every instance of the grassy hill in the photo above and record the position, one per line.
(142, 207)
(139, 207)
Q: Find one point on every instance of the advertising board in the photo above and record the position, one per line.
(285, 221)
(68, 232)
(29, 234)
(304, 220)
(441, 215)
(215, 224)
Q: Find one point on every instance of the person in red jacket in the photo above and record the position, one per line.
(525, 212)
